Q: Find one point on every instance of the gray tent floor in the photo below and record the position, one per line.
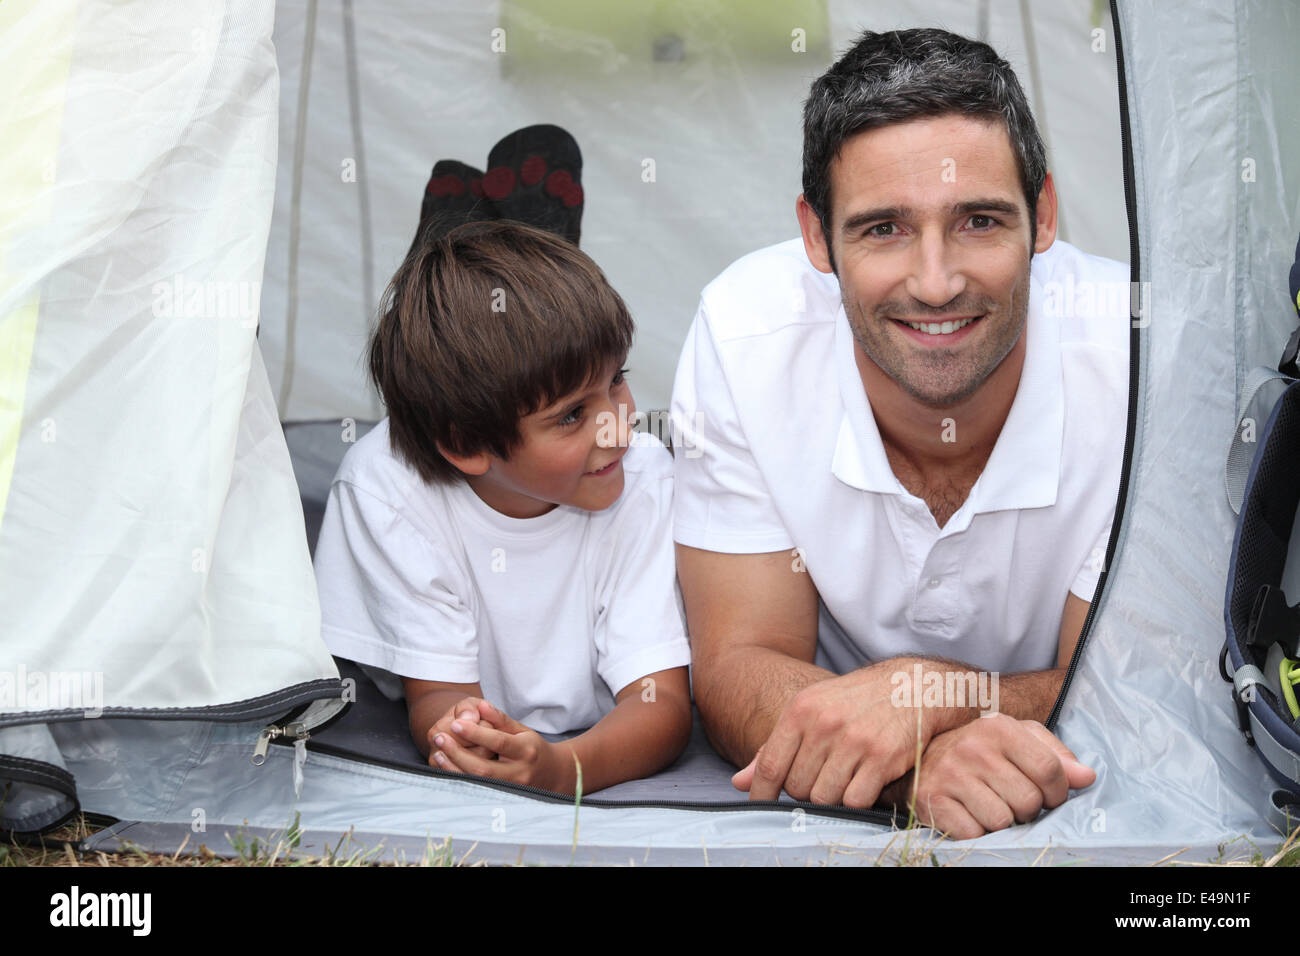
(362, 847)
(370, 798)
(377, 728)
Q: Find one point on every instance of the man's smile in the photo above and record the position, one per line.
(941, 331)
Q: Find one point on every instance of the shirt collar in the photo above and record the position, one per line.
(859, 459)
(1024, 469)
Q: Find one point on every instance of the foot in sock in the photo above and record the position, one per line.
(453, 195)
(534, 176)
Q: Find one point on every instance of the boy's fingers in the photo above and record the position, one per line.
(497, 741)
(438, 759)
(467, 709)
(498, 719)
(456, 757)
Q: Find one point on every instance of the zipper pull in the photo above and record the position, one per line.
(264, 739)
(295, 731)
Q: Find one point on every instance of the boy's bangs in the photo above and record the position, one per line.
(573, 365)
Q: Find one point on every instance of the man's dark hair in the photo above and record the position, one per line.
(903, 75)
(482, 327)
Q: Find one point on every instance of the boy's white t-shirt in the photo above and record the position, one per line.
(551, 616)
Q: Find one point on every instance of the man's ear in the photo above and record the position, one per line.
(814, 239)
(475, 464)
(1046, 216)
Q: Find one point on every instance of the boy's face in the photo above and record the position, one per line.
(571, 453)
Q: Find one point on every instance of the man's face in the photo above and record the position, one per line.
(571, 453)
(931, 236)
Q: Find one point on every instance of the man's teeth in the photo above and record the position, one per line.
(940, 328)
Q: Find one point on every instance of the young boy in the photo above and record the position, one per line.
(502, 541)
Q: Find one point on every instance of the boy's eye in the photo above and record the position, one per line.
(619, 376)
(573, 416)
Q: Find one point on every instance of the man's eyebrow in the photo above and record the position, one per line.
(888, 213)
(881, 214)
(1008, 209)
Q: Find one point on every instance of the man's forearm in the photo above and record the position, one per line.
(1030, 695)
(961, 693)
(741, 693)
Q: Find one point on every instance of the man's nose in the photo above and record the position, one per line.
(935, 277)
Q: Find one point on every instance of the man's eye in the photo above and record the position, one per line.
(881, 230)
(572, 418)
(982, 222)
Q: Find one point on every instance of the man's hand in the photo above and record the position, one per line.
(522, 755)
(465, 711)
(989, 774)
(842, 740)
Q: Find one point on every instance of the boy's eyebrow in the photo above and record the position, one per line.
(568, 403)
(887, 213)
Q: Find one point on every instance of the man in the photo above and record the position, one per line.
(905, 460)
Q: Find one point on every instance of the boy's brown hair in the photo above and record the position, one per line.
(482, 327)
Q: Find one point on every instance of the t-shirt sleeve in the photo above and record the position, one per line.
(640, 624)
(390, 598)
(1085, 582)
(721, 500)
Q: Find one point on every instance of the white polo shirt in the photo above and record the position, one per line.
(778, 449)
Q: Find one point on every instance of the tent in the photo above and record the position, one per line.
(199, 206)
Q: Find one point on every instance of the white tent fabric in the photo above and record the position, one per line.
(150, 534)
(722, 127)
(166, 446)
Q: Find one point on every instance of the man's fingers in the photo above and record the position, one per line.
(1080, 776)
(814, 752)
(948, 816)
(864, 789)
(742, 779)
(1076, 774)
(987, 808)
(835, 776)
(773, 763)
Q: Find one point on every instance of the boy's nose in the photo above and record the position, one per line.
(614, 425)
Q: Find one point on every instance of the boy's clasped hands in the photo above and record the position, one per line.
(475, 737)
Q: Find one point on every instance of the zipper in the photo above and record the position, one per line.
(286, 733)
(882, 818)
(1134, 347)
(293, 727)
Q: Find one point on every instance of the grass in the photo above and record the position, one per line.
(59, 848)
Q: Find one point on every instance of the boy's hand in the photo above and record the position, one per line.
(463, 712)
(522, 755)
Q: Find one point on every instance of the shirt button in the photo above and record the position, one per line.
(933, 583)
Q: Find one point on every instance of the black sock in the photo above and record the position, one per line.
(534, 176)
(452, 196)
